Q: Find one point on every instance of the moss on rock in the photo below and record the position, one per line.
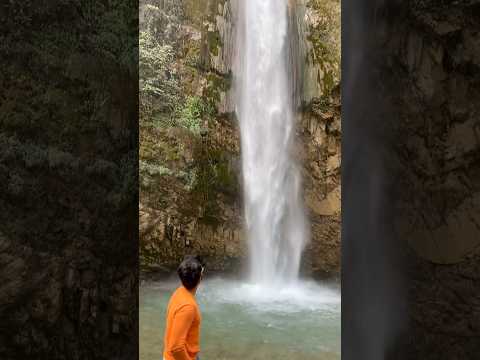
(324, 37)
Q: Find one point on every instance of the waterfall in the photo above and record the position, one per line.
(275, 220)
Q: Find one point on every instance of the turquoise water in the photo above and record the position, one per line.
(249, 322)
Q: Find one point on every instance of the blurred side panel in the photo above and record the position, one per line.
(410, 196)
(68, 175)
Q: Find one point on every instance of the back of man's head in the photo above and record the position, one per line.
(190, 271)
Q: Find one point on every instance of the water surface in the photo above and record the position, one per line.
(242, 321)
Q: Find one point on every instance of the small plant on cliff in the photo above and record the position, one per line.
(151, 169)
(193, 111)
(159, 88)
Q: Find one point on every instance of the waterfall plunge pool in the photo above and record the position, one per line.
(242, 321)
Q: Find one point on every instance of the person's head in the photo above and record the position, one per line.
(190, 271)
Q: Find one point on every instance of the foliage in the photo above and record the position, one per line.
(171, 149)
(190, 115)
(164, 21)
(324, 35)
(151, 169)
(326, 32)
(159, 88)
(189, 177)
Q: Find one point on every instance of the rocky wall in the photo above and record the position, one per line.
(177, 226)
(431, 69)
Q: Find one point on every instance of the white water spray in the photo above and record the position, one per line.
(276, 226)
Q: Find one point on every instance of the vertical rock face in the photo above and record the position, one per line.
(442, 131)
(315, 26)
(194, 207)
(431, 71)
(208, 219)
(319, 150)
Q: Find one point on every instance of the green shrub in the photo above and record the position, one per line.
(159, 88)
(154, 169)
(193, 111)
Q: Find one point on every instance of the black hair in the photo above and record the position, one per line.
(190, 271)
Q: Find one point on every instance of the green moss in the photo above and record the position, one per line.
(192, 112)
(152, 169)
(328, 82)
(192, 54)
(189, 178)
(170, 152)
(213, 177)
(148, 256)
(325, 40)
(220, 82)
(226, 179)
(214, 42)
(199, 10)
(213, 9)
(195, 11)
(216, 84)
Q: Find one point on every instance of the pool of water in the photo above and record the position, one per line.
(242, 321)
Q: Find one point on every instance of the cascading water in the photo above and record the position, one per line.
(273, 315)
(276, 226)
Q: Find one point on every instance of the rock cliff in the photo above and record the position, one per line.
(428, 63)
(190, 198)
(439, 58)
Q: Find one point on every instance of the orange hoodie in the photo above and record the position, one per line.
(182, 331)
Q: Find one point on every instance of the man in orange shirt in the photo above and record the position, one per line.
(182, 332)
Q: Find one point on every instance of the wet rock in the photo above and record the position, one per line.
(437, 145)
(174, 223)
